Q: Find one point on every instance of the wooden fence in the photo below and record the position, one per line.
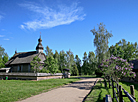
(119, 94)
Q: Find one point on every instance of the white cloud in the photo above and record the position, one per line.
(1, 35)
(1, 17)
(6, 39)
(22, 27)
(49, 17)
(2, 29)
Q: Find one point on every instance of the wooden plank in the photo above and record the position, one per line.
(108, 98)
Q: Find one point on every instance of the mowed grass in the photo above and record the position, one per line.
(99, 91)
(14, 90)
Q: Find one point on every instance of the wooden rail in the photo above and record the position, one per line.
(118, 95)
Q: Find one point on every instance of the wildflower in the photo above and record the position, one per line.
(112, 56)
(107, 60)
(131, 67)
(105, 65)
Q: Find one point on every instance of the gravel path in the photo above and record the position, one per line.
(74, 92)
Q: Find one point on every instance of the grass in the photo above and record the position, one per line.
(99, 91)
(14, 90)
(88, 76)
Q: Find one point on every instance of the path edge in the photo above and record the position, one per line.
(90, 91)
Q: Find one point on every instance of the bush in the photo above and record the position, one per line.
(58, 71)
(98, 74)
(44, 71)
(117, 67)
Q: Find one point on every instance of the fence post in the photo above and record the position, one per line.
(120, 94)
(113, 88)
(109, 82)
(105, 83)
(117, 89)
(132, 90)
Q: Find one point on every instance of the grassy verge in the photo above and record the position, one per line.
(99, 91)
(13, 90)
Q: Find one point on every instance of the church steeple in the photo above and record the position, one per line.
(39, 47)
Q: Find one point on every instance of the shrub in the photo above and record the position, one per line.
(117, 67)
(44, 71)
(58, 71)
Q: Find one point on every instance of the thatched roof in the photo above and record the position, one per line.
(25, 58)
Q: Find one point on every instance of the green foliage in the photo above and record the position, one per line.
(92, 62)
(101, 42)
(3, 57)
(51, 64)
(35, 64)
(70, 60)
(43, 70)
(117, 68)
(75, 71)
(85, 65)
(62, 60)
(48, 52)
(78, 63)
(89, 63)
(58, 71)
(125, 50)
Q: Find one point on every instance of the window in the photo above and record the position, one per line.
(19, 68)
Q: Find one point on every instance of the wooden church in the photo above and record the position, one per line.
(20, 62)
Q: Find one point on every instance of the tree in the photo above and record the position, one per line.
(51, 64)
(85, 65)
(78, 63)
(56, 55)
(125, 50)
(1, 63)
(48, 52)
(3, 57)
(92, 60)
(70, 60)
(116, 51)
(75, 70)
(101, 42)
(62, 60)
(35, 64)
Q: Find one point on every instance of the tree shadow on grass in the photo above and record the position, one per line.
(98, 92)
(128, 84)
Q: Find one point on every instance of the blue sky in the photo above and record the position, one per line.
(64, 24)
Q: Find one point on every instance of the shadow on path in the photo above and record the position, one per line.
(81, 85)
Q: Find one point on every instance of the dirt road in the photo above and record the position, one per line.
(74, 92)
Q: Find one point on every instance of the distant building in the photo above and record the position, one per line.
(135, 65)
(20, 62)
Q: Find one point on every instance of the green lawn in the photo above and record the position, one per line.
(100, 91)
(89, 76)
(13, 90)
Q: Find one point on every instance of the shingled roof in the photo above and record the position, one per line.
(23, 58)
